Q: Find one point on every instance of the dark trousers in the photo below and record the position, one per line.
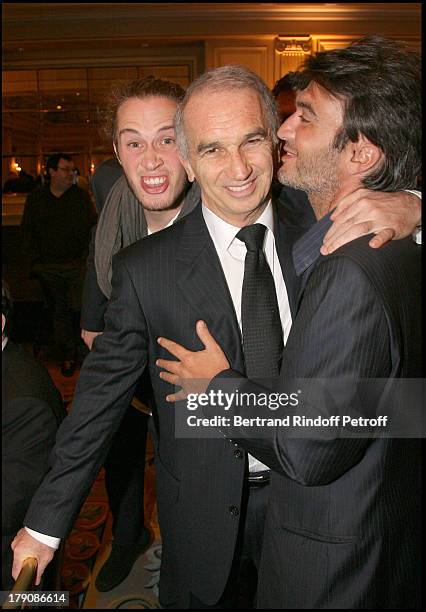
(125, 469)
(63, 285)
(124, 477)
(241, 589)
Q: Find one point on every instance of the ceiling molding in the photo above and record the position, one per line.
(111, 18)
(213, 11)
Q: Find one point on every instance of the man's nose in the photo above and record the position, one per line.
(151, 158)
(239, 166)
(287, 128)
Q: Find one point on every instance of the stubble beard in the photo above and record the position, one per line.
(316, 174)
(162, 204)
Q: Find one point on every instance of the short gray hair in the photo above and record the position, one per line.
(228, 78)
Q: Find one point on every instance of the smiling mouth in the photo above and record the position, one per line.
(155, 184)
(241, 188)
(154, 180)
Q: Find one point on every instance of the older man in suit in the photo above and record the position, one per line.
(161, 287)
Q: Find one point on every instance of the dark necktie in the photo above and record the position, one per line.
(261, 323)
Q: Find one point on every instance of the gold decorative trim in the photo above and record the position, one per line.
(294, 45)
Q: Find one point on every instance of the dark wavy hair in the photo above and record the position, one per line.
(139, 88)
(379, 83)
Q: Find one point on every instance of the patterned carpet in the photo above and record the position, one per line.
(89, 543)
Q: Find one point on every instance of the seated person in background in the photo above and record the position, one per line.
(32, 410)
(19, 183)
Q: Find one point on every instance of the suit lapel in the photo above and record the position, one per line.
(202, 283)
(286, 235)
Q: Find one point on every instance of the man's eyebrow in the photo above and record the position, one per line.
(165, 128)
(307, 106)
(128, 131)
(211, 145)
(258, 132)
(203, 146)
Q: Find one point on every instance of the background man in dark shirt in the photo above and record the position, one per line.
(56, 232)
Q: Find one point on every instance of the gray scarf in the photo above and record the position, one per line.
(121, 223)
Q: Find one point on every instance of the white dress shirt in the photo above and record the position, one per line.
(232, 253)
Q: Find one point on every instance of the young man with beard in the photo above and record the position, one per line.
(343, 525)
(160, 286)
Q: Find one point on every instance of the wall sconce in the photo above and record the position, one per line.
(14, 165)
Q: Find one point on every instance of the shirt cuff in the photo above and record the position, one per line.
(44, 539)
(415, 192)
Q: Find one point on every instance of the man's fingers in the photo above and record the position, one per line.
(176, 397)
(173, 379)
(349, 234)
(384, 236)
(24, 546)
(337, 229)
(174, 348)
(205, 336)
(169, 365)
(346, 202)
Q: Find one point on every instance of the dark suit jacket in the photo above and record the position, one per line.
(31, 412)
(94, 302)
(343, 525)
(161, 286)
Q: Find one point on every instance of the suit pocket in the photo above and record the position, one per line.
(318, 536)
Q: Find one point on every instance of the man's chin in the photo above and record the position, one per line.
(153, 203)
(289, 181)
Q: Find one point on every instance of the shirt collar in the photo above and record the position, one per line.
(307, 249)
(223, 233)
(149, 232)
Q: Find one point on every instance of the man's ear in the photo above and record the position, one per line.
(364, 155)
(116, 153)
(186, 164)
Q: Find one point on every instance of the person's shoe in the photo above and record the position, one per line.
(120, 562)
(68, 367)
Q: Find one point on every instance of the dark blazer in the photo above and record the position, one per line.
(31, 412)
(94, 302)
(343, 525)
(160, 287)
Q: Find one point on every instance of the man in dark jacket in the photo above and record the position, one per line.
(56, 228)
(32, 410)
(343, 526)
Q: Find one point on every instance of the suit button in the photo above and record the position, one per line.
(238, 453)
(233, 510)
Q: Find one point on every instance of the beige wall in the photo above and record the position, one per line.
(271, 39)
(203, 35)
